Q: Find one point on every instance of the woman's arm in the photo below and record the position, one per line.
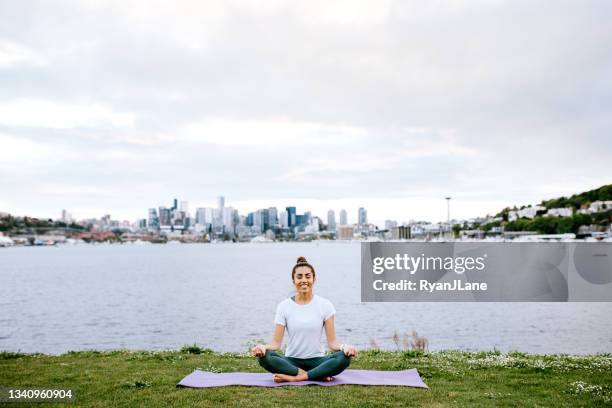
(275, 344)
(279, 332)
(330, 333)
(333, 344)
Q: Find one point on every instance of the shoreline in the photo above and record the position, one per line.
(196, 350)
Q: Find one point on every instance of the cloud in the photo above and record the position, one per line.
(488, 102)
(52, 114)
(268, 132)
(13, 54)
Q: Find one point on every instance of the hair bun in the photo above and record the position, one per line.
(301, 260)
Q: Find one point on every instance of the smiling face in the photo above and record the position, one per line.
(303, 279)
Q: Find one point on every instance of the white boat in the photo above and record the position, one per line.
(6, 241)
(261, 239)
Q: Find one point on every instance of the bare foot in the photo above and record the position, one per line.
(328, 379)
(301, 376)
(286, 378)
(283, 378)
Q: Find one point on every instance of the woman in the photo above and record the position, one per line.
(304, 316)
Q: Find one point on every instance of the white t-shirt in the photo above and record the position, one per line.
(304, 325)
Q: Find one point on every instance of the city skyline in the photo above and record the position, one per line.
(460, 210)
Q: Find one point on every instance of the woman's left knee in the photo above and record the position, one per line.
(344, 359)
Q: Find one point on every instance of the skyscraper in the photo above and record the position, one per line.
(331, 220)
(165, 216)
(362, 216)
(273, 217)
(153, 222)
(228, 219)
(209, 215)
(200, 216)
(283, 219)
(306, 218)
(66, 217)
(184, 207)
(291, 213)
(218, 221)
(258, 221)
(343, 220)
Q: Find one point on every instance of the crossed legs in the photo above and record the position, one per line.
(299, 369)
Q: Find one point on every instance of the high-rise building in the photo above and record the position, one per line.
(273, 217)
(165, 216)
(306, 218)
(153, 222)
(218, 222)
(343, 220)
(66, 217)
(184, 207)
(331, 220)
(315, 223)
(283, 220)
(291, 216)
(200, 215)
(228, 219)
(209, 215)
(258, 221)
(261, 219)
(362, 216)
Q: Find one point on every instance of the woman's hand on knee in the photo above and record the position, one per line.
(258, 350)
(349, 350)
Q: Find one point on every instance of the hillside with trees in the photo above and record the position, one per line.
(544, 224)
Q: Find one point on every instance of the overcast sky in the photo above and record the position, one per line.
(115, 107)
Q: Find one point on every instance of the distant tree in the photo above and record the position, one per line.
(565, 225)
(456, 230)
(603, 218)
(605, 193)
(546, 225)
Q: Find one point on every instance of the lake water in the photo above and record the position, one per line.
(223, 296)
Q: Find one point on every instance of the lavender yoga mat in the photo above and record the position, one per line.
(205, 379)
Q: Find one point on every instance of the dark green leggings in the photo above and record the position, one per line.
(316, 367)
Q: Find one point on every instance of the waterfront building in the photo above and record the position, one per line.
(362, 216)
(344, 232)
(343, 218)
(258, 221)
(153, 220)
(291, 217)
(229, 219)
(200, 215)
(272, 217)
(165, 216)
(284, 219)
(331, 220)
(527, 212)
(559, 212)
(66, 217)
(184, 207)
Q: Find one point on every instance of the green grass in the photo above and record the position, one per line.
(145, 378)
